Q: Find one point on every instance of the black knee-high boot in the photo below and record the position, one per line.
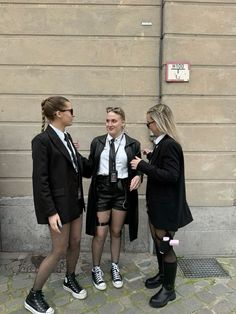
(157, 280)
(167, 292)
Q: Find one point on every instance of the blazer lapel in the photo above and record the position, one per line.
(157, 150)
(58, 143)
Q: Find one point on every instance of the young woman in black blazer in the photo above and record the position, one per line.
(165, 197)
(113, 196)
(58, 198)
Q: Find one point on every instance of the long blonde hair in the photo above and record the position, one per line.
(164, 119)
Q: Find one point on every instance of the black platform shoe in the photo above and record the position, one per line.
(162, 297)
(154, 282)
(167, 292)
(36, 303)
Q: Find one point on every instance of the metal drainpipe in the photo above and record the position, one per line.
(161, 49)
(151, 135)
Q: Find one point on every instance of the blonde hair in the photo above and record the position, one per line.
(117, 110)
(49, 106)
(164, 119)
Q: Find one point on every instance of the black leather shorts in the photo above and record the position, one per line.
(111, 195)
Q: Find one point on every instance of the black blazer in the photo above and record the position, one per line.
(132, 149)
(57, 188)
(165, 195)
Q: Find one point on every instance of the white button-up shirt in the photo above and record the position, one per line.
(121, 157)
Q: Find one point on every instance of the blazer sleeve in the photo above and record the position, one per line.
(168, 170)
(42, 193)
(138, 154)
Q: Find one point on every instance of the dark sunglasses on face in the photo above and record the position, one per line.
(71, 111)
(148, 123)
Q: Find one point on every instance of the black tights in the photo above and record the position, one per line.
(157, 235)
(66, 244)
(112, 220)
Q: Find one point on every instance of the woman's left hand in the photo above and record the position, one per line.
(135, 183)
(134, 163)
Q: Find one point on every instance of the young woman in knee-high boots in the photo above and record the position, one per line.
(167, 207)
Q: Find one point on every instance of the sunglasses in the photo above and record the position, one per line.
(113, 109)
(148, 123)
(71, 111)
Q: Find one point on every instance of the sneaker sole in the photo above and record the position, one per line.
(99, 287)
(117, 285)
(32, 310)
(82, 295)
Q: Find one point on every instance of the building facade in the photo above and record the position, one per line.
(99, 53)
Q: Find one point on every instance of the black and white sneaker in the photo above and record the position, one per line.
(71, 284)
(36, 304)
(97, 278)
(116, 276)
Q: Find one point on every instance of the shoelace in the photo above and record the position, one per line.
(39, 300)
(74, 284)
(115, 272)
(98, 273)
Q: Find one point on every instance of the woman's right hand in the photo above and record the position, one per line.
(55, 223)
(146, 151)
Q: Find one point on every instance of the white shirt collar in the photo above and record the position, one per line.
(159, 138)
(59, 132)
(109, 137)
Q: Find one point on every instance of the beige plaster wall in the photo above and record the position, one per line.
(98, 53)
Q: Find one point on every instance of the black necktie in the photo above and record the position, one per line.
(112, 156)
(72, 152)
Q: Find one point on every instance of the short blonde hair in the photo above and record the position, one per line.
(117, 110)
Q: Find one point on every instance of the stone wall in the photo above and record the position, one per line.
(97, 53)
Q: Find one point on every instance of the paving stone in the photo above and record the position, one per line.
(144, 264)
(192, 303)
(19, 311)
(138, 298)
(185, 290)
(135, 285)
(130, 277)
(223, 307)
(174, 307)
(3, 279)
(126, 301)
(14, 304)
(131, 311)
(204, 311)
(96, 300)
(3, 287)
(232, 284)
(109, 308)
(220, 289)
(206, 297)
(61, 300)
(195, 296)
(2, 308)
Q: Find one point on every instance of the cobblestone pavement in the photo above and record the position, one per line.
(202, 295)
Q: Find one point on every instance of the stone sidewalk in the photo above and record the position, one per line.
(201, 295)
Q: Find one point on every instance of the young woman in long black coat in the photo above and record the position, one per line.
(167, 207)
(113, 196)
(58, 198)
